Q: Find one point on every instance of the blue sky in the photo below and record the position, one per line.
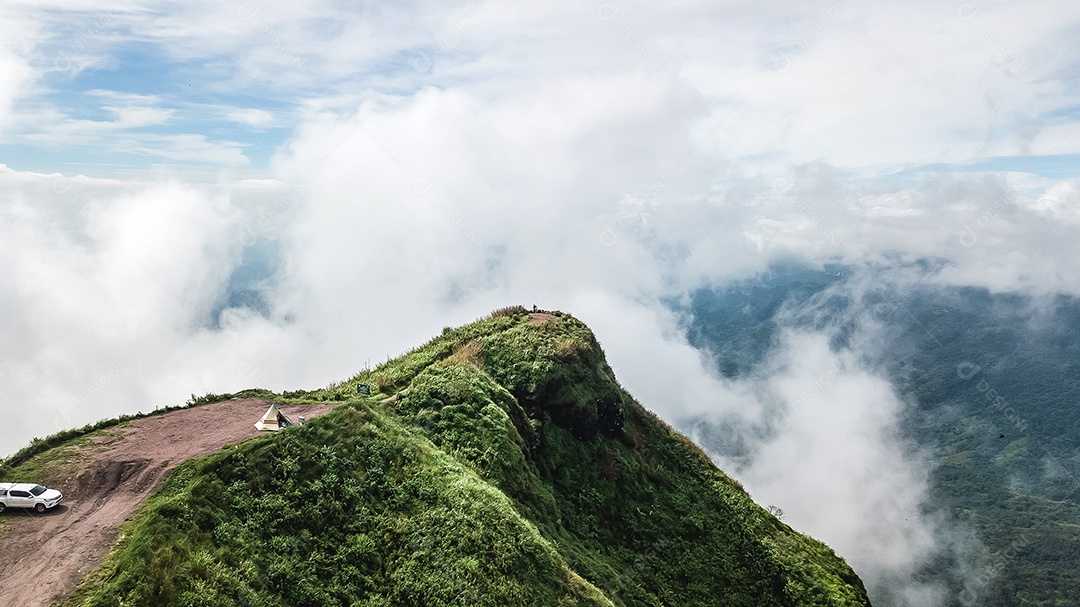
(228, 86)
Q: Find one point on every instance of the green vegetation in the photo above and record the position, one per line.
(1007, 438)
(991, 379)
(498, 464)
(23, 463)
(18, 464)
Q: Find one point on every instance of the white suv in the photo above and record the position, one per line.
(28, 495)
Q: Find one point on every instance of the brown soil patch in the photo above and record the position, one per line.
(539, 318)
(46, 555)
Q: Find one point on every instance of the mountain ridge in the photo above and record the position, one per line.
(499, 463)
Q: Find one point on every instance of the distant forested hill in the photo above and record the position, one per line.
(992, 386)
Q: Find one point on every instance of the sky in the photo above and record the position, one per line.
(204, 197)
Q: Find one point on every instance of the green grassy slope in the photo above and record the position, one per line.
(498, 464)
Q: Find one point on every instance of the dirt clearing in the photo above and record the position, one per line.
(46, 555)
(539, 318)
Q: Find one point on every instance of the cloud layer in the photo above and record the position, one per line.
(776, 84)
(829, 453)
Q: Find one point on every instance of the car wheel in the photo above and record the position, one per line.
(2, 507)
(39, 507)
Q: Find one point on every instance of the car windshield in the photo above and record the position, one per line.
(37, 490)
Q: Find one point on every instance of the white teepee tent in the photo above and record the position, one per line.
(273, 420)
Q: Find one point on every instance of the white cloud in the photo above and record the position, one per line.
(130, 132)
(192, 148)
(839, 469)
(135, 117)
(253, 117)
(131, 111)
(104, 282)
(675, 378)
(782, 83)
(16, 74)
(1061, 201)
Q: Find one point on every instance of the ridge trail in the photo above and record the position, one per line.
(104, 484)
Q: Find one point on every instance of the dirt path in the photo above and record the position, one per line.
(45, 555)
(539, 318)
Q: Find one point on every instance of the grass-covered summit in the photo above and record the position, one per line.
(499, 464)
